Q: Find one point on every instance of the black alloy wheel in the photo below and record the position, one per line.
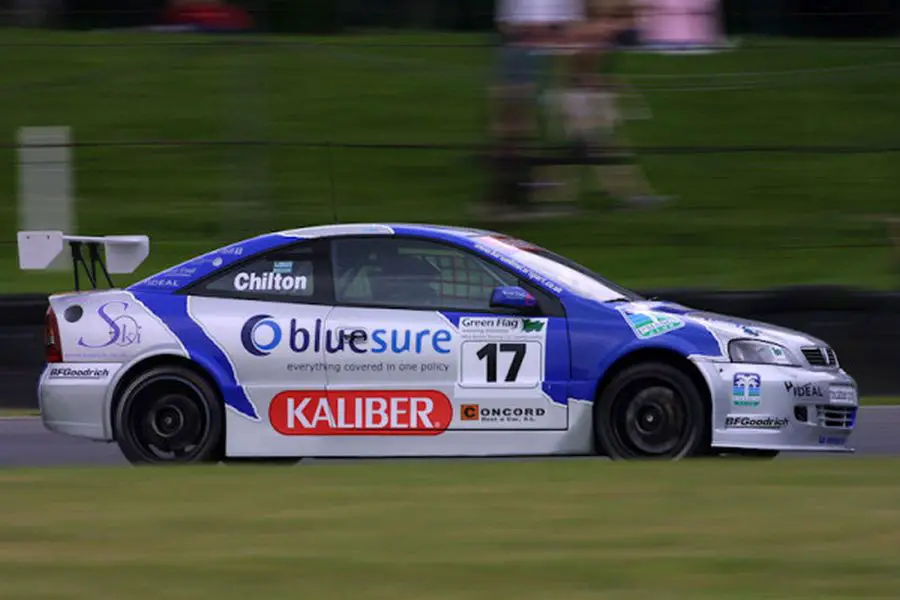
(651, 411)
(170, 415)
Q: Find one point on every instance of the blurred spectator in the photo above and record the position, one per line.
(683, 24)
(524, 27)
(589, 102)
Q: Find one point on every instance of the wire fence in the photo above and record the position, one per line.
(771, 147)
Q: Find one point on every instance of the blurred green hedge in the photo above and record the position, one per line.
(857, 18)
(780, 17)
(334, 16)
(291, 16)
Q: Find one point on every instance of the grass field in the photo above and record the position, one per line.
(18, 412)
(804, 529)
(746, 219)
(880, 401)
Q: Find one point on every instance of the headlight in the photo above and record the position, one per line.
(760, 353)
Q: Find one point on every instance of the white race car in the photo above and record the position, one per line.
(378, 340)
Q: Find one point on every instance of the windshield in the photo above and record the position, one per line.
(559, 270)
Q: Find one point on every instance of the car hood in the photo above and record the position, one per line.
(727, 328)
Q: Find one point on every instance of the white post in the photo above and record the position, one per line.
(45, 183)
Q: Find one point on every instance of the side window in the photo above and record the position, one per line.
(281, 276)
(410, 273)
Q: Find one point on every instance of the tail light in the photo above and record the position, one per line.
(52, 344)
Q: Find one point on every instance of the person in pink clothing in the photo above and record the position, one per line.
(683, 24)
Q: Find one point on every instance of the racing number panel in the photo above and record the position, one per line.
(513, 372)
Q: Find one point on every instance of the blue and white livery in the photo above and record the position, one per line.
(377, 340)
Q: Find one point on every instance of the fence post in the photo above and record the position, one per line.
(45, 182)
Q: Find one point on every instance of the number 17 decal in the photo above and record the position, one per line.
(488, 353)
(504, 364)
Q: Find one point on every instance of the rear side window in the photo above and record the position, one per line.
(270, 277)
(283, 276)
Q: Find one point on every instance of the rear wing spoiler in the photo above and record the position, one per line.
(123, 253)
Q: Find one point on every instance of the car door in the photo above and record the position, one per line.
(266, 320)
(426, 352)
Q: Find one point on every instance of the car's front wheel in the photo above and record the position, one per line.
(169, 415)
(651, 410)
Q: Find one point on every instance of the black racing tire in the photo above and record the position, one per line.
(169, 415)
(651, 410)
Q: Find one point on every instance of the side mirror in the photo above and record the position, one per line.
(512, 297)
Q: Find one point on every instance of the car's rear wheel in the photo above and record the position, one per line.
(651, 410)
(169, 415)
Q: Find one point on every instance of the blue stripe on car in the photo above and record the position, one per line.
(173, 311)
(183, 274)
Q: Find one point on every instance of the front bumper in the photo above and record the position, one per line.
(767, 407)
(73, 398)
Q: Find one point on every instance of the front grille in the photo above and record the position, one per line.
(838, 417)
(820, 357)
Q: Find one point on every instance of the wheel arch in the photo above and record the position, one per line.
(142, 366)
(654, 354)
(663, 355)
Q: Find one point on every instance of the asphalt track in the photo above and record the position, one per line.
(25, 443)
